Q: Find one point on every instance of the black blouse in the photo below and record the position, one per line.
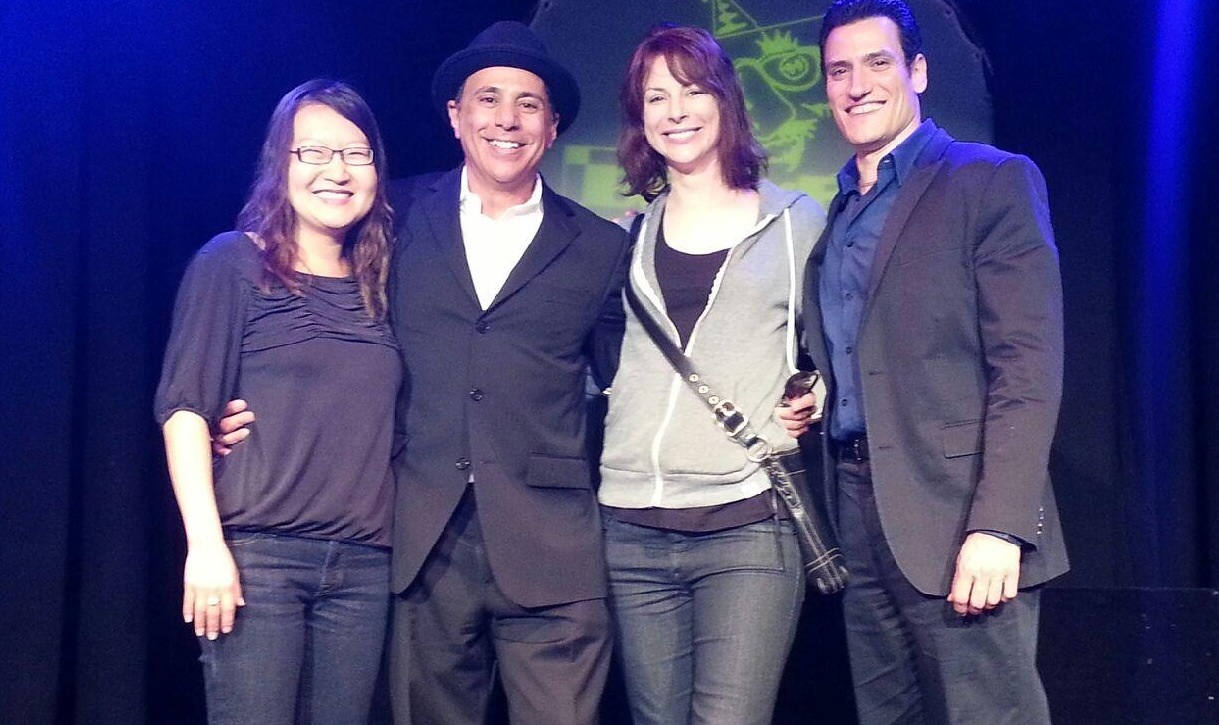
(321, 377)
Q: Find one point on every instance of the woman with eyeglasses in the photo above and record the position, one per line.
(706, 580)
(286, 579)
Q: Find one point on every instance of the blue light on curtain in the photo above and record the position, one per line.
(1161, 410)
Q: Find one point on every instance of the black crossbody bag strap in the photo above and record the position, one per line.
(734, 423)
(823, 561)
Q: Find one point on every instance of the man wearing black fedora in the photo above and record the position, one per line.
(501, 291)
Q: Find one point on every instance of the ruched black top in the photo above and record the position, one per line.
(321, 377)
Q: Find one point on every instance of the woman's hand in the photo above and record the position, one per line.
(211, 590)
(797, 414)
(802, 404)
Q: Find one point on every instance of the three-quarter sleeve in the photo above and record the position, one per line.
(200, 369)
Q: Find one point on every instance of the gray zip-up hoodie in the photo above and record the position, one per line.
(662, 446)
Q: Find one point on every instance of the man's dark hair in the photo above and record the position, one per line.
(845, 12)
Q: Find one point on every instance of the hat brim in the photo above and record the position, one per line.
(561, 86)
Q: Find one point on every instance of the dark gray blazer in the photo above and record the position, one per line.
(500, 393)
(960, 354)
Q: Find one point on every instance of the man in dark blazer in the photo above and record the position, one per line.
(501, 290)
(934, 310)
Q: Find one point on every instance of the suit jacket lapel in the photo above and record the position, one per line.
(554, 235)
(925, 168)
(444, 221)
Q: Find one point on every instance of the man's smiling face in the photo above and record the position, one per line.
(505, 123)
(873, 92)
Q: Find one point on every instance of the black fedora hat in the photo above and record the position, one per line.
(513, 45)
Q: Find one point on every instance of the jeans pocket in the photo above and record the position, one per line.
(752, 547)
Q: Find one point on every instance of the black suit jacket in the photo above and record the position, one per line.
(499, 393)
(960, 356)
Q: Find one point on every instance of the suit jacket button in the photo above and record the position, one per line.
(476, 395)
(462, 464)
(481, 327)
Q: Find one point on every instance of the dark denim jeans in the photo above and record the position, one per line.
(704, 621)
(913, 660)
(307, 645)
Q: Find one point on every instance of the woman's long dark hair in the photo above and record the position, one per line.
(269, 214)
(695, 58)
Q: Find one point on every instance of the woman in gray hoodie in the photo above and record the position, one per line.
(705, 574)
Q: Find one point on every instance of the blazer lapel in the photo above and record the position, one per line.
(444, 221)
(554, 235)
(925, 169)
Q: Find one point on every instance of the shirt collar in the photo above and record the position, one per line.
(904, 156)
(470, 203)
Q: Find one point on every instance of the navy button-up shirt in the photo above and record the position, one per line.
(847, 270)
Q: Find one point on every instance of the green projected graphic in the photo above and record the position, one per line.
(781, 77)
(773, 44)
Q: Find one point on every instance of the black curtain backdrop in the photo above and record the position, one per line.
(128, 133)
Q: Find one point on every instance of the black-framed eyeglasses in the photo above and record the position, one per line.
(321, 155)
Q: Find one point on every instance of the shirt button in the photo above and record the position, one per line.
(851, 243)
(476, 395)
(481, 327)
(844, 401)
(462, 464)
(849, 349)
(850, 295)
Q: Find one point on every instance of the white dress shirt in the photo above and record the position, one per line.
(494, 246)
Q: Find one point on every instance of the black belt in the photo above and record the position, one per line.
(852, 449)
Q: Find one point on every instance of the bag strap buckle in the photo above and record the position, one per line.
(733, 422)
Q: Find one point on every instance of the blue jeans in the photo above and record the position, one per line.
(306, 647)
(704, 621)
